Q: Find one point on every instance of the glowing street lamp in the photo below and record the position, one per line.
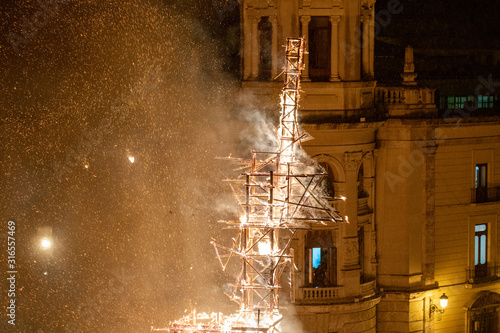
(443, 301)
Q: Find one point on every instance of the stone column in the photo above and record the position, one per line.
(247, 48)
(365, 48)
(372, 45)
(305, 33)
(334, 57)
(255, 47)
(352, 161)
(274, 46)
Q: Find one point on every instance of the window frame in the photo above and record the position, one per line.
(491, 247)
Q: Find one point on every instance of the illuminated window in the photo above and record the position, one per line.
(320, 259)
(481, 182)
(471, 101)
(480, 250)
(484, 102)
(316, 257)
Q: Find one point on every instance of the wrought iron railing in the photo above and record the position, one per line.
(475, 275)
(485, 194)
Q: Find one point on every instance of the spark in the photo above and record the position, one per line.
(131, 159)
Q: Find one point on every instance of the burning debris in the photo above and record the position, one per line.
(277, 198)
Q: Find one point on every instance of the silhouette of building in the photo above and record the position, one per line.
(421, 188)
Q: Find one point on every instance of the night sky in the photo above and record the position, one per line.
(88, 86)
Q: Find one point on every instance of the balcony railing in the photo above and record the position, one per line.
(485, 194)
(319, 293)
(473, 275)
(366, 289)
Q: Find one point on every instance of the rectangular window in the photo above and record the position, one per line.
(480, 250)
(319, 48)
(316, 257)
(481, 182)
(451, 102)
(320, 260)
(485, 101)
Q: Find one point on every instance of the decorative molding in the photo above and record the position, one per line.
(255, 19)
(351, 251)
(352, 160)
(335, 19)
(338, 3)
(305, 19)
(306, 3)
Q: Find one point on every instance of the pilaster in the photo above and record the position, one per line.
(305, 32)
(334, 71)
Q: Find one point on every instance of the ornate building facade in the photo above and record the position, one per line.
(422, 195)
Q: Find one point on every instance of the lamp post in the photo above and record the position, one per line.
(443, 301)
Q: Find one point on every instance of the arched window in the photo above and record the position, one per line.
(482, 315)
(327, 182)
(321, 259)
(265, 49)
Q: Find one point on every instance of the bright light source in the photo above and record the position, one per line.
(443, 301)
(131, 159)
(46, 243)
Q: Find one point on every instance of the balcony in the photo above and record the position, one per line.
(367, 289)
(405, 101)
(474, 276)
(485, 194)
(319, 294)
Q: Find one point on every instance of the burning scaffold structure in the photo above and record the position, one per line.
(279, 193)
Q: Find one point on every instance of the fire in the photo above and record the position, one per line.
(277, 199)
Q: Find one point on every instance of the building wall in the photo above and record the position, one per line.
(416, 211)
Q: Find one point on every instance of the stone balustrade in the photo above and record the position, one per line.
(406, 100)
(317, 294)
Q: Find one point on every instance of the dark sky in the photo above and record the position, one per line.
(88, 85)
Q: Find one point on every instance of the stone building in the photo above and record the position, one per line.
(422, 195)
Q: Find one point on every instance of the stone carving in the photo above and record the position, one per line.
(351, 251)
(305, 19)
(352, 160)
(335, 19)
